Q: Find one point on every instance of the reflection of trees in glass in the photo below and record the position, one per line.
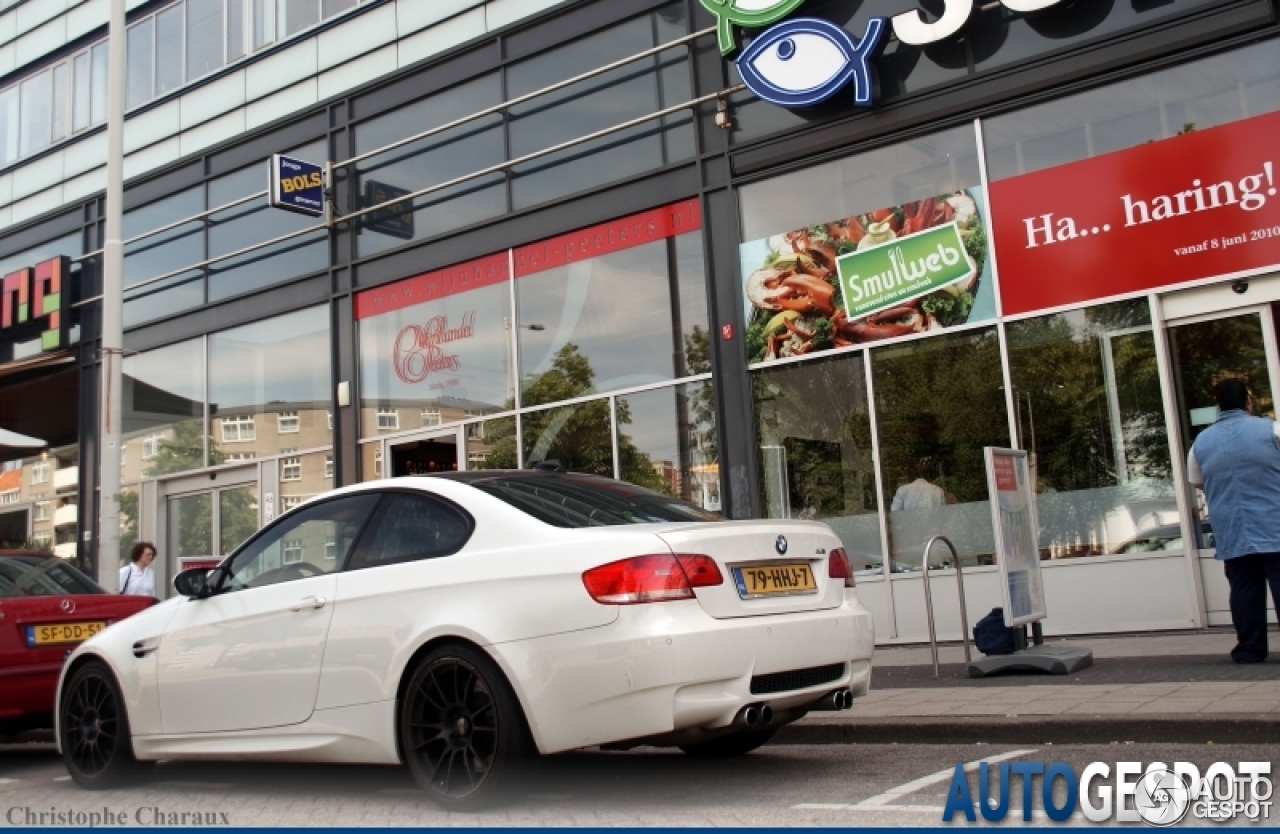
(1065, 410)
(181, 453)
(128, 523)
(702, 402)
(581, 438)
(940, 399)
(237, 517)
(816, 413)
(237, 508)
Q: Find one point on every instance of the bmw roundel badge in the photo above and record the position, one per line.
(781, 545)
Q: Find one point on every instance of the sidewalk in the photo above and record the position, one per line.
(1162, 687)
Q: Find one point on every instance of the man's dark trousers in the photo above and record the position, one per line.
(1249, 577)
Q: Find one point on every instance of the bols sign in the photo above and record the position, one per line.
(803, 61)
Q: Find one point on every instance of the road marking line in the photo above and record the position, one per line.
(884, 801)
(8, 781)
(890, 795)
(62, 778)
(913, 809)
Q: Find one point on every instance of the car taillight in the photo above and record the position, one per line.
(838, 567)
(657, 578)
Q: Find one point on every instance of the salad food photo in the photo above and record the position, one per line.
(794, 301)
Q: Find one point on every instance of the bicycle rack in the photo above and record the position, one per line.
(928, 600)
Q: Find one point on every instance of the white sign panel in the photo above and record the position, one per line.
(1017, 529)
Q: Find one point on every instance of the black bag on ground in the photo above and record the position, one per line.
(992, 636)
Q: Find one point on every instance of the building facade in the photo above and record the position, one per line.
(625, 236)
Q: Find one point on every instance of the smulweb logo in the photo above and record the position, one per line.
(1160, 795)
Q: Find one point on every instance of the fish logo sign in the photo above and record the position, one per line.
(804, 61)
(749, 14)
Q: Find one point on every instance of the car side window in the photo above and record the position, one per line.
(411, 527)
(310, 542)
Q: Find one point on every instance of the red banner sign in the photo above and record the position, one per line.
(593, 242)
(1195, 206)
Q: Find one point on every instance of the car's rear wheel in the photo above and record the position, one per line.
(96, 745)
(738, 744)
(462, 731)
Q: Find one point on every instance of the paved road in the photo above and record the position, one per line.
(827, 785)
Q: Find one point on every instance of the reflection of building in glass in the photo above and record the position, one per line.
(39, 501)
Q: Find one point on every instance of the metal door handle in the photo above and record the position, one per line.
(315, 603)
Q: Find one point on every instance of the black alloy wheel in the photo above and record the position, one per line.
(96, 745)
(737, 744)
(462, 732)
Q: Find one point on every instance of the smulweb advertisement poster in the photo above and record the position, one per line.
(896, 271)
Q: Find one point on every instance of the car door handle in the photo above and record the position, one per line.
(314, 603)
(142, 648)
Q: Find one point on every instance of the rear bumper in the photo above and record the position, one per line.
(27, 690)
(665, 668)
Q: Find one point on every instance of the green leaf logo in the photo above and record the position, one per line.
(749, 14)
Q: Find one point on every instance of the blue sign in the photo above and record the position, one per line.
(806, 60)
(297, 186)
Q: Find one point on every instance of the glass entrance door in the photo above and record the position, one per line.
(1239, 344)
(209, 524)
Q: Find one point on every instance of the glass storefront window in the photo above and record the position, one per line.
(436, 363)
(667, 442)
(627, 93)
(164, 411)
(255, 222)
(939, 403)
(937, 164)
(813, 426)
(437, 159)
(162, 254)
(1091, 416)
(617, 321)
(1194, 96)
(492, 444)
(302, 477)
(579, 437)
(803, 230)
(262, 371)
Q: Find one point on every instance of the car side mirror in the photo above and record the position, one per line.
(193, 583)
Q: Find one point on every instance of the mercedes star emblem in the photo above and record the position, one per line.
(781, 545)
(68, 605)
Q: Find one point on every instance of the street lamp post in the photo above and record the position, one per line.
(112, 349)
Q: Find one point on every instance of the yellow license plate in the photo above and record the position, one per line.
(55, 633)
(774, 580)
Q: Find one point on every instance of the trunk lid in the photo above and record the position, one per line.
(763, 574)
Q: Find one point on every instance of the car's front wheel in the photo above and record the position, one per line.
(738, 744)
(462, 731)
(96, 745)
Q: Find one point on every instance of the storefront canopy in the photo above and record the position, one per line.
(13, 440)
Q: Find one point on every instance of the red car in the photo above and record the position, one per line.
(47, 608)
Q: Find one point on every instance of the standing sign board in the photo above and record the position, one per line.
(297, 185)
(1017, 532)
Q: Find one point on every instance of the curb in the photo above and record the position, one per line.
(1051, 729)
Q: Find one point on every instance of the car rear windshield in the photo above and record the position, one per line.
(588, 501)
(41, 576)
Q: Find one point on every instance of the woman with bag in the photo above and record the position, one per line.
(137, 578)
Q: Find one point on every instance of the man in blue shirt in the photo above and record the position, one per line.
(1236, 461)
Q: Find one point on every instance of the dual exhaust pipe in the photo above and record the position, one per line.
(759, 716)
(753, 716)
